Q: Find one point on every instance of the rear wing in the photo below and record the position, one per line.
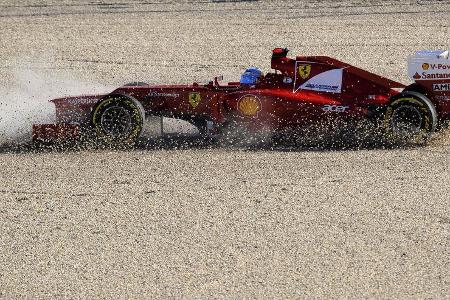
(429, 65)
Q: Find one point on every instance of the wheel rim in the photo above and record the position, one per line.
(116, 121)
(407, 120)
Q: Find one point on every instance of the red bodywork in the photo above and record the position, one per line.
(301, 91)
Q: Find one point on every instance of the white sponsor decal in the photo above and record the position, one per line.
(441, 87)
(328, 81)
(155, 94)
(429, 66)
(335, 108)
(287, 80)
(443, 98)
(82, 101)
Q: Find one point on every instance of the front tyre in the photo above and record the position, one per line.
(118, 120)
(410, 118)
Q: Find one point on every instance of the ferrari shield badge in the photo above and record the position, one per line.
(304, 71)
(194, 99)
(249, 105)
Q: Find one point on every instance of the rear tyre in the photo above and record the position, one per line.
(410, 118)
(118, 121)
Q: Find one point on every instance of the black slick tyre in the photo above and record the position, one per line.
(118, 120)
(410, 118)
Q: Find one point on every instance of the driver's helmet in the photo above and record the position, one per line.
(251, 76)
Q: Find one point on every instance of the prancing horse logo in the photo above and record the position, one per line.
(194, 99)
(304, 71)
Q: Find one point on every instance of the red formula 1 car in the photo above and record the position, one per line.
(300, 92)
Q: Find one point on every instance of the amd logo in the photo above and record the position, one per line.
(441, 87)
(335, 108)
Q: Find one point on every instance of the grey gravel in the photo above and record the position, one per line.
(220, 223)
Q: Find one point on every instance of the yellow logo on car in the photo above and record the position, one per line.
(249, 105)
(194, 99)
(304, 71)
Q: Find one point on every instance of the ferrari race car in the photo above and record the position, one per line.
(301, 91)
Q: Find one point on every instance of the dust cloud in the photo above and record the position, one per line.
(25, 99)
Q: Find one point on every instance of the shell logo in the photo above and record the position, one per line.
(425, 66)
(249, 105)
